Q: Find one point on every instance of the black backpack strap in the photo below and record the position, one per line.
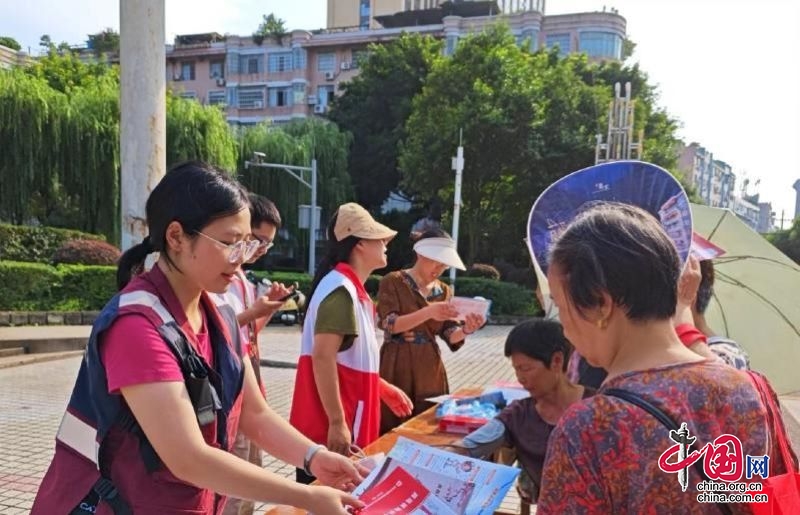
(103, 490)
(665, 420)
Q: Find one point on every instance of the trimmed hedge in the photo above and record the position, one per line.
(36, 244)
(87, 252)
(40, 287)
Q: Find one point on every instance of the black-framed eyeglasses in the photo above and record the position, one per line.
(239, 251)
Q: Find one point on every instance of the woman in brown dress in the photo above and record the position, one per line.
(413, 310)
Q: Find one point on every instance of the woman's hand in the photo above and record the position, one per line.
(339, 438)
(441, 311)
(335, 470)
(472, 323)
(278, 291)
(326, 500)
(397, 400)
(688, 284)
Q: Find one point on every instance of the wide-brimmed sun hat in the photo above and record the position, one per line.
(441, 250)
(354, 220)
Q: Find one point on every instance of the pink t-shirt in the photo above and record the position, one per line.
(133, 352)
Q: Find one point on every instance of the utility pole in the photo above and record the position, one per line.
(458, 166)
(619, 143)
(143, 131)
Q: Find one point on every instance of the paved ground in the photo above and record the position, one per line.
(33, 397)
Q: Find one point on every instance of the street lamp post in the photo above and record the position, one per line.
(297, 173)
(458, 166)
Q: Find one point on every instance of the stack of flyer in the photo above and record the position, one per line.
(417, 479)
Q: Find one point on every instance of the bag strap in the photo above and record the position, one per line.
(666, 421)
(776, 427)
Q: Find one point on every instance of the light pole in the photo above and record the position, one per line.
(458, 166)
(312, 185)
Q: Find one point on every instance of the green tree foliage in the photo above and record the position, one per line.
(270, 27)
(297, 144)
(59, 121)
(374, 108)
(788, 241)
(9, 42)
(104, 42)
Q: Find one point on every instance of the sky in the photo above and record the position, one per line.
(726, 69)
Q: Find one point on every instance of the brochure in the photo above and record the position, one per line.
(454, 484)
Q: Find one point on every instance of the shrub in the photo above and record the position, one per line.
(483, 270)
(507, 298)
(36, 244)
(40, 287)
(86, 252)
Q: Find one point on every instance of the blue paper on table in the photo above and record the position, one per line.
(630, 182)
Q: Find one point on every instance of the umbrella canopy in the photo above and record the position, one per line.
(755, 301)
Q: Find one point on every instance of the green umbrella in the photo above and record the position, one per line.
(756, 292)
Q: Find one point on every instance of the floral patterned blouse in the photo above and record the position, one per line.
(603, 457)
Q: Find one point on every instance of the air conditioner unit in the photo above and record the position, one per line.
(311, 100)
(320, 109)
(258, 104)
(220, 81)
(330, 75)
(345, 65)
(177, 77)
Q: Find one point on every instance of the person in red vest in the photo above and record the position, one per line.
(165, 383)
(337, 391)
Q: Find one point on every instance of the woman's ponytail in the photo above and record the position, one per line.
(131, 262)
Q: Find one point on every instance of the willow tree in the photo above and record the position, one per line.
(199, 132)
(297, 144)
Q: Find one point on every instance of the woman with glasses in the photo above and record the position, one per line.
(165, 386)
(337, 391)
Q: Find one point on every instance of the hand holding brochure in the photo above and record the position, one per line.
(469, 305)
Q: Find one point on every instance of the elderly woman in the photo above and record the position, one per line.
(413, 309)
(613, 273)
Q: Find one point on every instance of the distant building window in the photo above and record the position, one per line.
(562, 41)
(216, 97)
(251, 98)
(280, 97)
(189, 95)
(363, 14)
(601, 44)
(450, 45)
(325, 95)
(187, 71)
(299, 93)
(358, 57)
(216, 70)
(251, 64)
(326, 62)
(531, 36)
(280, 62)
(299, 58)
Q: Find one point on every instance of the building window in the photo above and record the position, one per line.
(358, 57)
(187, 70)
(216, 70)
(280, 62)
(251, 98)
(189, 95)
(531, 36)
(450, 45)
(363, 14)
(216, 97)
(325, 95)
(601, 44)
(251, 64)
(299, 58)
(299, 93)
(280, 97)
(326, 62)
(562, 41)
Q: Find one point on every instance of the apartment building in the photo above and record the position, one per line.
(10, 57)
(713, 178)
(301, 74)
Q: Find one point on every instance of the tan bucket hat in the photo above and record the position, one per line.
(441, 250)
(354, 220)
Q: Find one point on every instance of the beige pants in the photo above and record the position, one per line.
(247, 451)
